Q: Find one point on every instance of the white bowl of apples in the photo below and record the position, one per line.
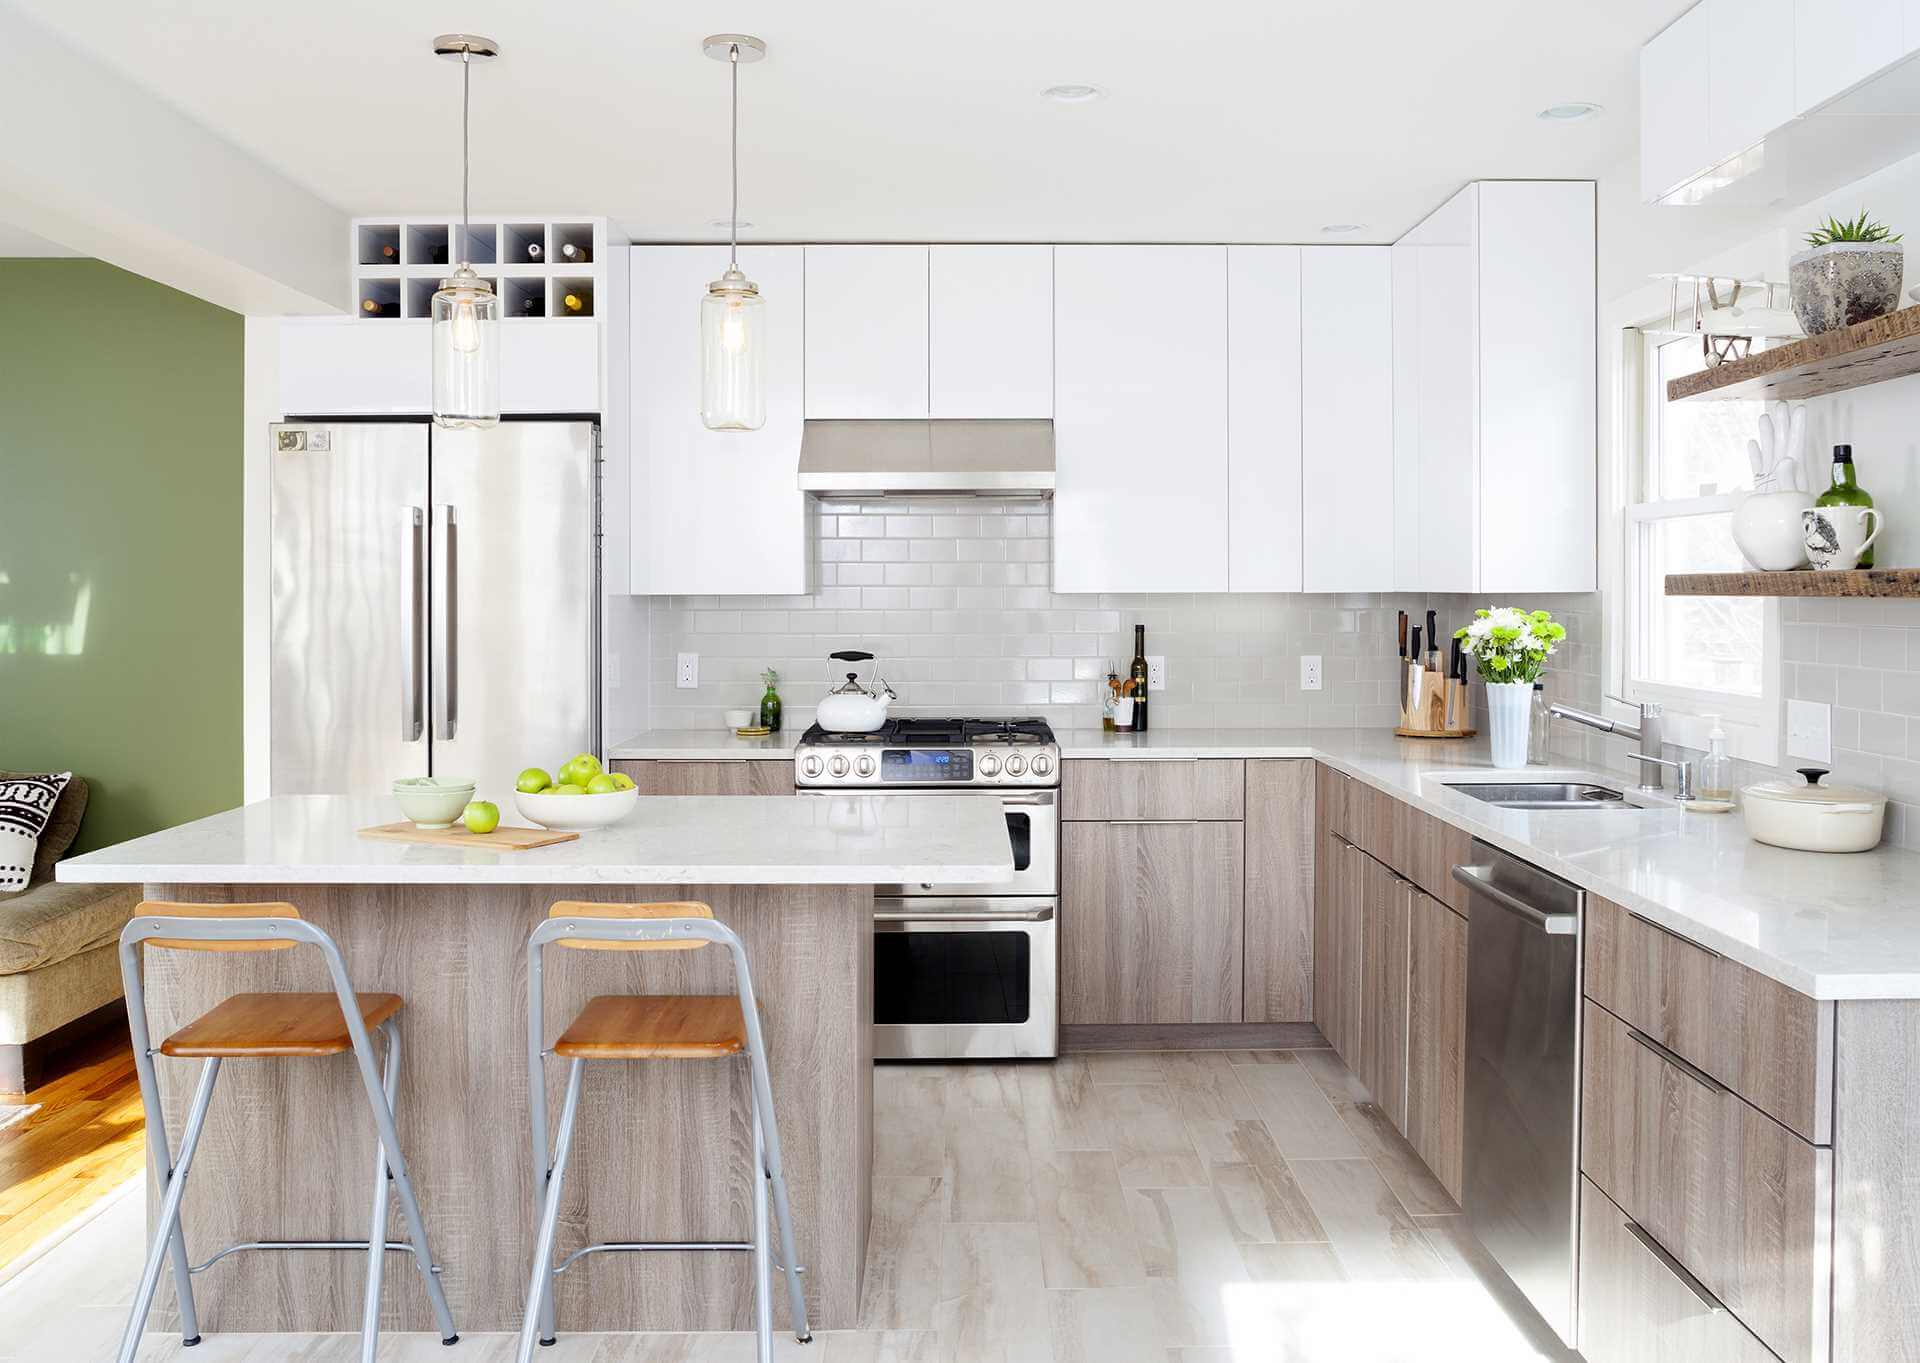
(577, 797)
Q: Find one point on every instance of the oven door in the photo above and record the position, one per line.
(975, 977)
(1033, 829)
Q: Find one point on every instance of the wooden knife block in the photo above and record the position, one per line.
(1427, 716)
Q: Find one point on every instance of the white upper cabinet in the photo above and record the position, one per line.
(1140, 419)
(341, 366)
(713, 513)
(1749, 71)
(866, 331)
(1496, 387)
(1676, 141)
(990, 331)
(1263, 418)
(1346, 427)
(1839, 43)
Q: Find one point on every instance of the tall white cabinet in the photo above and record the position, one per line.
(1346, 418)
(713, 513)
(1264, 344)
(1140, 419)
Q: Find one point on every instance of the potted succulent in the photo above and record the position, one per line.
(1510, 648)
(1850, 272)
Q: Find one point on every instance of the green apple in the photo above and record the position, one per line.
(482, 816)
(585, 767)
(532, 781)
(602, 784)
(622, 781)
(567, 788)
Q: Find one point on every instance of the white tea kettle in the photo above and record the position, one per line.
(851, 708)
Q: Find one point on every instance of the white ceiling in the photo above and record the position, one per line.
(1255, 121)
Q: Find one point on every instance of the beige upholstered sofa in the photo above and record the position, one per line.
(59, 963)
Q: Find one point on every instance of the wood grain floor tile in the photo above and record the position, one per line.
(1150, 1141)
(1370, 1231)
(1106, 1325)
(989, 1174)
(1124, 1067)
(1061, 1109)
(1258, 1057)
(1399, 1164)
(910, 1085)
(1190, 1253)
(881, 1346)
(1086, 1231)
(1303, 1122)
(1203, 1083)
(903, 1253)
(1464, 1258)
(984, 1086)
(1256, 1190)
(910, 1142)
(993, 1305)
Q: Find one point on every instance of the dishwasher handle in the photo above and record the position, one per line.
(1478, 879)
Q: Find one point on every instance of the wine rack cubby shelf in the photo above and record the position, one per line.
(540, 267)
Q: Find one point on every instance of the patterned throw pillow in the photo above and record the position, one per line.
(26, 803)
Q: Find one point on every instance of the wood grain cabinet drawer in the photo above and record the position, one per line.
(1740, 1201)
(1100, 788)
(1766, 1042)
(1412, 842)
(757, 776)
(1638, 1305)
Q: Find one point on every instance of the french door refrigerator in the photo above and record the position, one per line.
(436, 602)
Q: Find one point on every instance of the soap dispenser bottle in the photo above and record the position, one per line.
(1716, 770)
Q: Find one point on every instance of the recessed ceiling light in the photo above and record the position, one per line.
(722, 224)
(1072, 93)
(1568, 113)
(1342, 229)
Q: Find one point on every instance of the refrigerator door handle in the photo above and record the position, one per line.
(446, 632)
(413, 555)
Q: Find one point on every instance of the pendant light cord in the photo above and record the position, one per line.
(733, 222)
(466, 168)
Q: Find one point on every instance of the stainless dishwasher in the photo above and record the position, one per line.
(1521, 1186)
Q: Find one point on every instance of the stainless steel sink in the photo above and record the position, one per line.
(1543, 794)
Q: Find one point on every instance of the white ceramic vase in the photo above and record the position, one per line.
(1509, 705)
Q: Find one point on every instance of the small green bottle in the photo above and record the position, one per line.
(770, 703)
(1845, 491)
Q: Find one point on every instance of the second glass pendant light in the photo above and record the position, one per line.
(733, 315)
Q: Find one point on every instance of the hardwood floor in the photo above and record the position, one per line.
(1226, 1206)
(83, 1142)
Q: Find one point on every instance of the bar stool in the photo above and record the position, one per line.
(249, 1026)
(652, 1027)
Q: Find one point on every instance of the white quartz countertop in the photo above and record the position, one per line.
(693, 840)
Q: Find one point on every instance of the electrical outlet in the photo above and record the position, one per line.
(1810, 730)
(688, 677)
(1310, 672)
(1156, 672)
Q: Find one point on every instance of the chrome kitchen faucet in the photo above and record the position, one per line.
(1647, 735)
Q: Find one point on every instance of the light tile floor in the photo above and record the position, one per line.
(1175, 1207)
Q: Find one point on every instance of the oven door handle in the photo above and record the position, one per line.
(1039, 915)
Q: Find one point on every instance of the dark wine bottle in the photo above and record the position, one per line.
(577, 253)
(370, 307)
(437, 254)
(529, 306)
(1846, 491)
(1139, 674)
(533, 250)
(389, 254)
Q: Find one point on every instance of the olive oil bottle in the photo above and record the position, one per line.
(1846, 491)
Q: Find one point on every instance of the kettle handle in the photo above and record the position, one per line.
(852, 656)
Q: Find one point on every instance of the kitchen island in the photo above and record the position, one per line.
(662, 1147)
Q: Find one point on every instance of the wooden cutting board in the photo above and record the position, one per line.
(503, 839)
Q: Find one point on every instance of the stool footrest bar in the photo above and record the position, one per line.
(653, 1246)
(393, 1246)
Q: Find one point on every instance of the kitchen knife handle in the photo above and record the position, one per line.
(1403, 634)
(413, 554)
(446, 631)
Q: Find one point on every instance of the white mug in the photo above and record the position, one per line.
(1837, 535)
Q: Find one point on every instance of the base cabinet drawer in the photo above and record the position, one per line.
(1639, 1305)
(1741, 1202)
(1152, 788)
(755, 777)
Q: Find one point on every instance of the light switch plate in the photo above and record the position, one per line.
(688, 677)
(1810, 730)
(1310, 672)
(1156, 672)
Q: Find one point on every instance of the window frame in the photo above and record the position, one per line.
(1752, 723)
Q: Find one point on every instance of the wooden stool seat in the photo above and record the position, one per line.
(277, 1024)
(656, 1027)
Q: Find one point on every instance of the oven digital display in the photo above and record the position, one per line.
(926, 764)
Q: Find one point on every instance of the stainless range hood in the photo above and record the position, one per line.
(944, 458)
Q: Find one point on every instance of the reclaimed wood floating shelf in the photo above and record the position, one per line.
(1832, 362)
(1805, 582)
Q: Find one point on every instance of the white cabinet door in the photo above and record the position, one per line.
(1263, 418)
(1676, 139)
(1837, 45)
(990, 331)
(1444, 523)
(1750, 71)
(713, 513)
(866, 334)
(1140, 419)
(341, 366)
(1346, 428)
(1538, 458)
(550, 366)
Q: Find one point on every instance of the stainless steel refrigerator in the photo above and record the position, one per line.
(436, 602)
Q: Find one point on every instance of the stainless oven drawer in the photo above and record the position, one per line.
(965, 977)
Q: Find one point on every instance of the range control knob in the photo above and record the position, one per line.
(1016, 765)
(1042, 764)
(838, 766)
(864, 766)
(989, 765)
(811, 767)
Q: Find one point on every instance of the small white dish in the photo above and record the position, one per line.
(739, 719)
(576, 813)
(433, 801)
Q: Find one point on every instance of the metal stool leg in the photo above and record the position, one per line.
(540, 1286)
(770, 1165)
(166, 1235)
(382, 1198)
(762, 1256)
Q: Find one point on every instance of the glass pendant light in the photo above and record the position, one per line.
(733, 316)
(466, 311)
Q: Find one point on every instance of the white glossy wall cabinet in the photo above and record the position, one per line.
(1346, 426)
(1750, 77)
(1263, 418)
(714, 513)
(1436, 336)
(990, 331)
(1140, 419)
(1676, 142)
(1837, 45)
(866, 331)
(341, 366)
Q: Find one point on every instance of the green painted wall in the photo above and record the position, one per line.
(120, 483)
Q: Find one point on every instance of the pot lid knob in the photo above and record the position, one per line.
(1813, 774)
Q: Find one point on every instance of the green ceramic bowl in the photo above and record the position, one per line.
(433, 801)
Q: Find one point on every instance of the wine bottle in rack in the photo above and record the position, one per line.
(372, 307)
(529, 306)
(577, 254)
(438, 254)
(574, 304)
(533, 250)
(389, 254)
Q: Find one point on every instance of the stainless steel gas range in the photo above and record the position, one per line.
(960, 970)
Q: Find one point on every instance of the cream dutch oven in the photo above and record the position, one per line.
(1811, 817)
